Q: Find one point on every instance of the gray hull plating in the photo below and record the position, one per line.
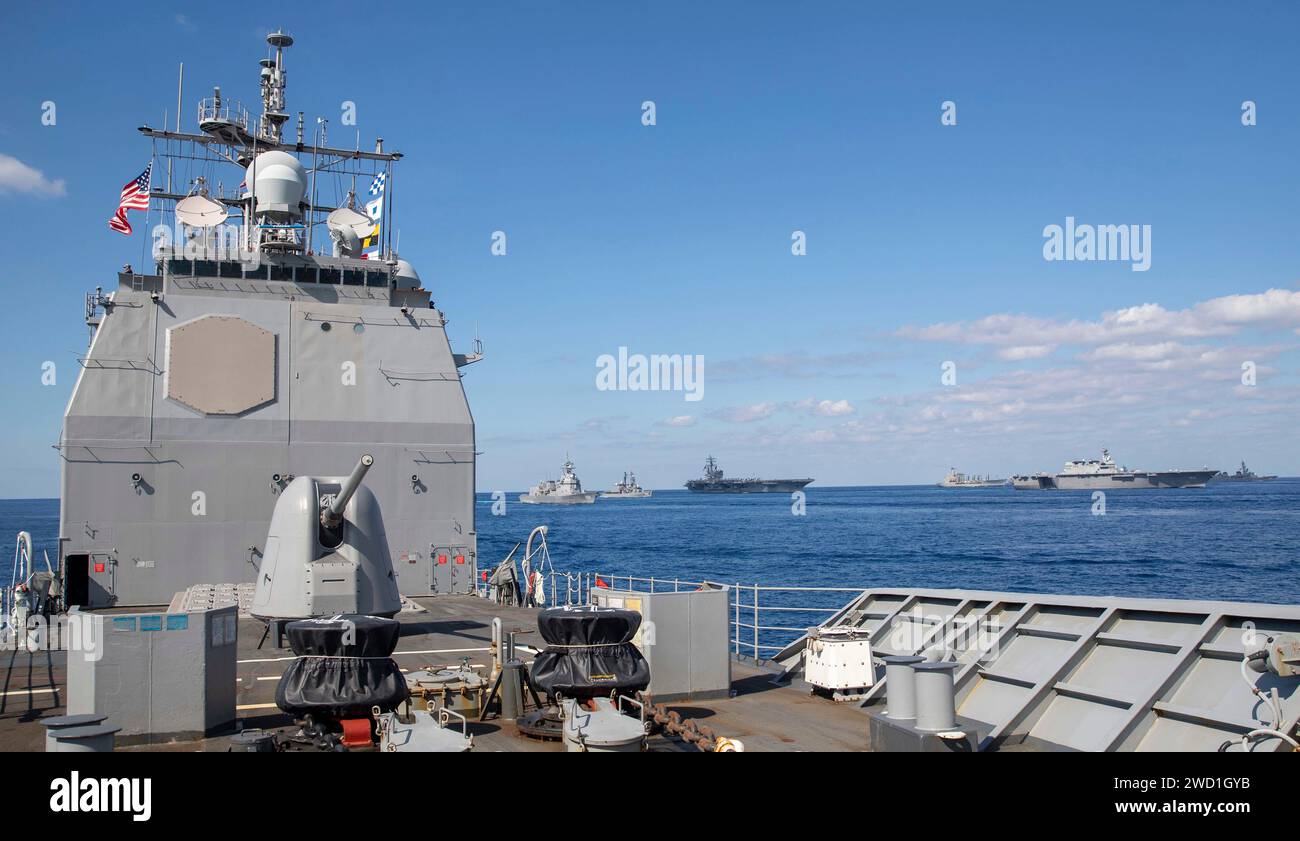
(552, 499)
(743, 486)
(1168, 479)
(158, 495)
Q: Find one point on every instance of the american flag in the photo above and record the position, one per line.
(135, 196)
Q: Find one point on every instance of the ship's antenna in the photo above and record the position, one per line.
(180, 86)
(273, 86)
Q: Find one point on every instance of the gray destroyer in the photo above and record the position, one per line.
(272, 336)
(627, 489)
(714, 483)
(567, 490)
(1243, 474)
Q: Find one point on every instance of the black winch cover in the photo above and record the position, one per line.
(343, 668)
(589, 653)
(371, 636)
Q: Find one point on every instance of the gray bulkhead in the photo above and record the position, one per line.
(197, 391)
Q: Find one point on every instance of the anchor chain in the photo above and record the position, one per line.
(691, 732)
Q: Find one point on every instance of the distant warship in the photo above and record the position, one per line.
(626, 489)
(1243, 474)
(1104, 474)
(567, 490)
(956, 479)
(1033, 481)
(714, 483)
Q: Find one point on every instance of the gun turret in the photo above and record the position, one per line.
(333, 515)
(317, 563)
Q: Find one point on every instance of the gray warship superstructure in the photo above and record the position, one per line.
(715, 483)
(1104, 474)
(627, 489)
(567, 490)
(244, 356)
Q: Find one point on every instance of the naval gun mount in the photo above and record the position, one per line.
(326, 552)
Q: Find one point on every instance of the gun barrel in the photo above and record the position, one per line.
(333, 515)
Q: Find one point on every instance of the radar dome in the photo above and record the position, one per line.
(407, 277)
(278, 181)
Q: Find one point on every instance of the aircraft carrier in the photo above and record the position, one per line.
(272, 432)
(715, 483)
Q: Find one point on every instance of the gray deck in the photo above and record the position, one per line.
(764, 716)
(1083, 672)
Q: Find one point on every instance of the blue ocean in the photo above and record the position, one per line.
(1238, 542)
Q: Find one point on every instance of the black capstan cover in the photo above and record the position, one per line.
(350, 635)
(589, 653)
(343, 668)
(587, 625)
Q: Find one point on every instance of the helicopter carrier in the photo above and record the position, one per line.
(1104, 474)
(222, 386)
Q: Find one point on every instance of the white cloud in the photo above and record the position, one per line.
(18, 177)
(1131, 352)
(1224, 316)
(746, 414)
(679, 421)
(834, 409)
(1020, 352)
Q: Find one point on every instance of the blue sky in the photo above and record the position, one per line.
(924, 241)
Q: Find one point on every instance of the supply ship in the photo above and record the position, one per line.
(715, 483)
(957, 479)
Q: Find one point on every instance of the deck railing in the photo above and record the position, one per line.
(762, 618)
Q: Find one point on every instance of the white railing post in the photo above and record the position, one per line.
(736, 592)
(755, 623)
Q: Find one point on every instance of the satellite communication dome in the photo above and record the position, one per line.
(348, 228)
(278, 181)
(200, 212)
